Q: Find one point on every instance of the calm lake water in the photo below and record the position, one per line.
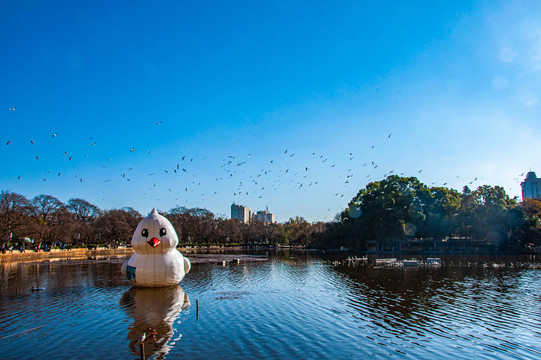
(281, 306)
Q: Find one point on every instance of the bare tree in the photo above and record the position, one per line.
(116, 226)
(12, 214)
(84, 211)
(45, 212)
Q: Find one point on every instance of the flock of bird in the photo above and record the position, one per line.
(249, 175)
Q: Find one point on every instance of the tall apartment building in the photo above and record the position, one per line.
(531, 187)
(241, 213)
(264, 216)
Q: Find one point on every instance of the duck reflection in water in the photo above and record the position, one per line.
(154, 311)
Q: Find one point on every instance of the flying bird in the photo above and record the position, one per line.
(12, 108)
(54, 134)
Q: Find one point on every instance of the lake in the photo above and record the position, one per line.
(281, 305)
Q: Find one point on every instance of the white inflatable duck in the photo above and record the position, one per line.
(156, 261)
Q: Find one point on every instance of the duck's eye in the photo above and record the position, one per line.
(162, 232)
(144, 233)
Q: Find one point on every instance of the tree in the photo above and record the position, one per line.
(441, 209)
(116, 226)
(84, 214)
(295, 232)
(12, 216)
(392, 208)
(84, 211)
(493, 214)
(528, 235)
(193, 225)
(45, 212)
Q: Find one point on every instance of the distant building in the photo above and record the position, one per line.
(241, 213)
(264, 216)
(531, 187)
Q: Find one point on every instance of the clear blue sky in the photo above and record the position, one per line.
(133, 87)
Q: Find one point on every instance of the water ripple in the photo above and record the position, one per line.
(275, 309)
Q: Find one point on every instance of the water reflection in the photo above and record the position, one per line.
(153, 311)
(449, 302)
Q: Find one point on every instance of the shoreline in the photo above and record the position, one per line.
(83, 253)
(56, 254)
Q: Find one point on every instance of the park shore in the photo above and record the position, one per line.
(84, 253)
(57, 254)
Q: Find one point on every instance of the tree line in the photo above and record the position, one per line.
(390, 211)
(44, 222)
(398, 209)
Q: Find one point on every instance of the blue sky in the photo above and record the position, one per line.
(353, 90)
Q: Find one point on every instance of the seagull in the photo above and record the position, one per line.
(389, 136)
(132, 149)
(12, 108)
(54, 134)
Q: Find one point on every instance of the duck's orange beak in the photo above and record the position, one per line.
(154, 242)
